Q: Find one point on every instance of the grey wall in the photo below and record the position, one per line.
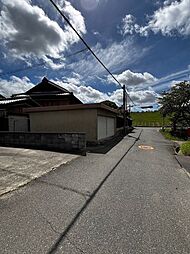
(66, 142)
(79, 120)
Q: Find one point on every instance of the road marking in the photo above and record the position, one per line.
(146, 147)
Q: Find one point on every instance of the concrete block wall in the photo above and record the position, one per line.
(66, 142)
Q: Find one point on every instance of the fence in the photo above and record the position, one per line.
(148, 124)
(66, 142)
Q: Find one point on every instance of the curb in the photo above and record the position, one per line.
(185, 171)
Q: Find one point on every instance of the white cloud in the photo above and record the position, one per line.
(27, 31)
(166, 81)
(132, 79)
(86, 94)
(115, 56)
(14, 85)
(144, 97)
(130, 27)
(172, 19)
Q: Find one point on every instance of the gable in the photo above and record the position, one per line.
(46, 87)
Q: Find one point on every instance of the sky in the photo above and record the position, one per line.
(145, 44)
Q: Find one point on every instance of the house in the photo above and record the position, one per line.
(49, 108)
(46, 93)
(97, 120)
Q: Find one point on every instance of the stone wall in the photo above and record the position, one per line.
(65, 142)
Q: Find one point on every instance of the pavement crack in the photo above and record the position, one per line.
(85, 195)
(74, 245)
(48, 222)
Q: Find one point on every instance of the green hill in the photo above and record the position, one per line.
(148, 119)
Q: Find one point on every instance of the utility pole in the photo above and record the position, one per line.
(124, 111)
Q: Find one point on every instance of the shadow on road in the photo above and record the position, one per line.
(104, 147)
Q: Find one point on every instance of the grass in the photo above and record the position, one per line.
(166, 133)
(185, 148)
(151, 119)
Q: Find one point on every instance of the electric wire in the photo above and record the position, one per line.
(38, 65)
(85, 43)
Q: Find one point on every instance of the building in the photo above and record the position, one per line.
(46, 93)
(97, 120)
(49, 108)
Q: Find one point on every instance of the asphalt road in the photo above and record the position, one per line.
(129, 200)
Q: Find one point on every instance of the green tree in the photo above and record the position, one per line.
(176, 104)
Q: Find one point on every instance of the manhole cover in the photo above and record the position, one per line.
(145, 147)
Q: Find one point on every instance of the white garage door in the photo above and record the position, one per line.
(106, 127)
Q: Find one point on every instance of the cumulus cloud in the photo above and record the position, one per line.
(132, 79)
(14, 85)
(85, 93)
(172, 19)
(144, 97)
(27, 31)
(129, 26)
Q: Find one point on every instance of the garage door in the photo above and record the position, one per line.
(106, 127)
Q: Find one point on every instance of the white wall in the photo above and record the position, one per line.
(106, 127)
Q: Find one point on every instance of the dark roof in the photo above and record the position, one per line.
(10, 101)
(45, 90)
(2, 97)
(46, 86)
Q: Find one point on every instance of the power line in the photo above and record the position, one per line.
(38, 65)
(87, 46)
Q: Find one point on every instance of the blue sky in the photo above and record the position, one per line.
(145, 44)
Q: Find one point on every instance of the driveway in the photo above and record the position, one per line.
(133, 199)
(20, 166)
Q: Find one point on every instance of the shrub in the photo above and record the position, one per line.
(185, 148)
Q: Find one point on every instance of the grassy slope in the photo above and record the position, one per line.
(185, 148)
(148, 119)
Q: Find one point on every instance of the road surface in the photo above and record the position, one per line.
(130, 200)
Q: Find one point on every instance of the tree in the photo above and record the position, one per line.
(176, 104)
(110, 104)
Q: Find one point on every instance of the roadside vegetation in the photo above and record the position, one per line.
(185, 148)
(168, 135)
(149, 119)
(175, 104)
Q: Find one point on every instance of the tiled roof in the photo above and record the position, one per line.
(9, 101)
